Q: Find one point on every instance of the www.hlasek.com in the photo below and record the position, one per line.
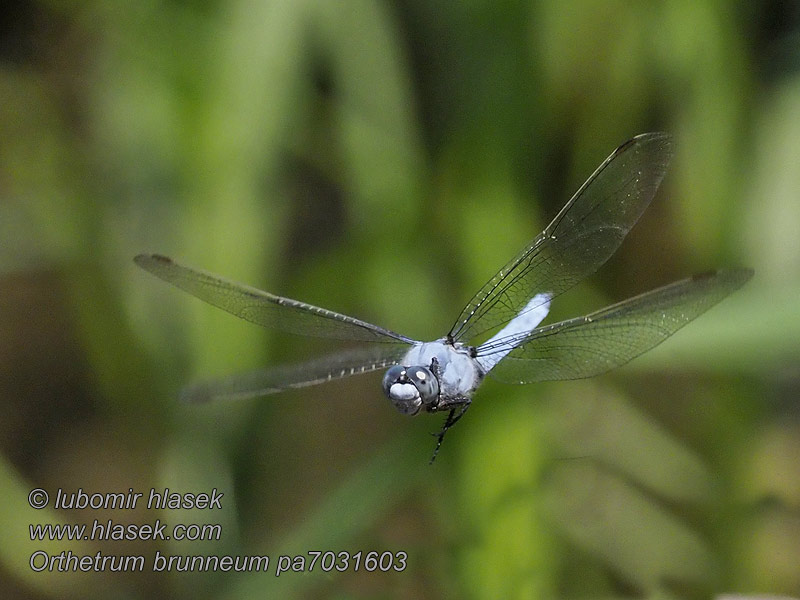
(164, 499)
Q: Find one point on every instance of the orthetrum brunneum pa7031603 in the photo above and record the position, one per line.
(443, 375)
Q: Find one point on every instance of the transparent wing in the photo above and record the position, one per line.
(283, 377)
(263, 308)
(584, 234)
(590, 345)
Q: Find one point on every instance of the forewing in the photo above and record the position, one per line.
(590, 345)
(584, 234)
(263, 308)
(283, 377)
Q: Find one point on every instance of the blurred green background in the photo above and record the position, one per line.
(383, 159)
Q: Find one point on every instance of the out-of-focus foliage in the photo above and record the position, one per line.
(383, 159)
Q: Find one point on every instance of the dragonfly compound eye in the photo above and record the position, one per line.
(426, 383)
(402, 390)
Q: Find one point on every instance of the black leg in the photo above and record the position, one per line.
(453, 416)
(435, 367)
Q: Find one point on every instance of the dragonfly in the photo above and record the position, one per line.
(444, 374)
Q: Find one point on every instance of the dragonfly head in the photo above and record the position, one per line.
(410, 388)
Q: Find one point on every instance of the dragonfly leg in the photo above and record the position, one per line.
(459, 407)
(435, 367)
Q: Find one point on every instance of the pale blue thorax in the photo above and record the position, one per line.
(459, 374)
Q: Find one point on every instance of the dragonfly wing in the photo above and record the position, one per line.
(584, 234)
(263, 308)
(283, 377)
(590, 345)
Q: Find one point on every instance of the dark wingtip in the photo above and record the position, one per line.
(736, 277)
(705, 275)
(143, 258)
(654, 136)
(747, 272)
(195, 394)
(145, 261)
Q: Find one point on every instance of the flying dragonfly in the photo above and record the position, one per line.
(443, 375)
